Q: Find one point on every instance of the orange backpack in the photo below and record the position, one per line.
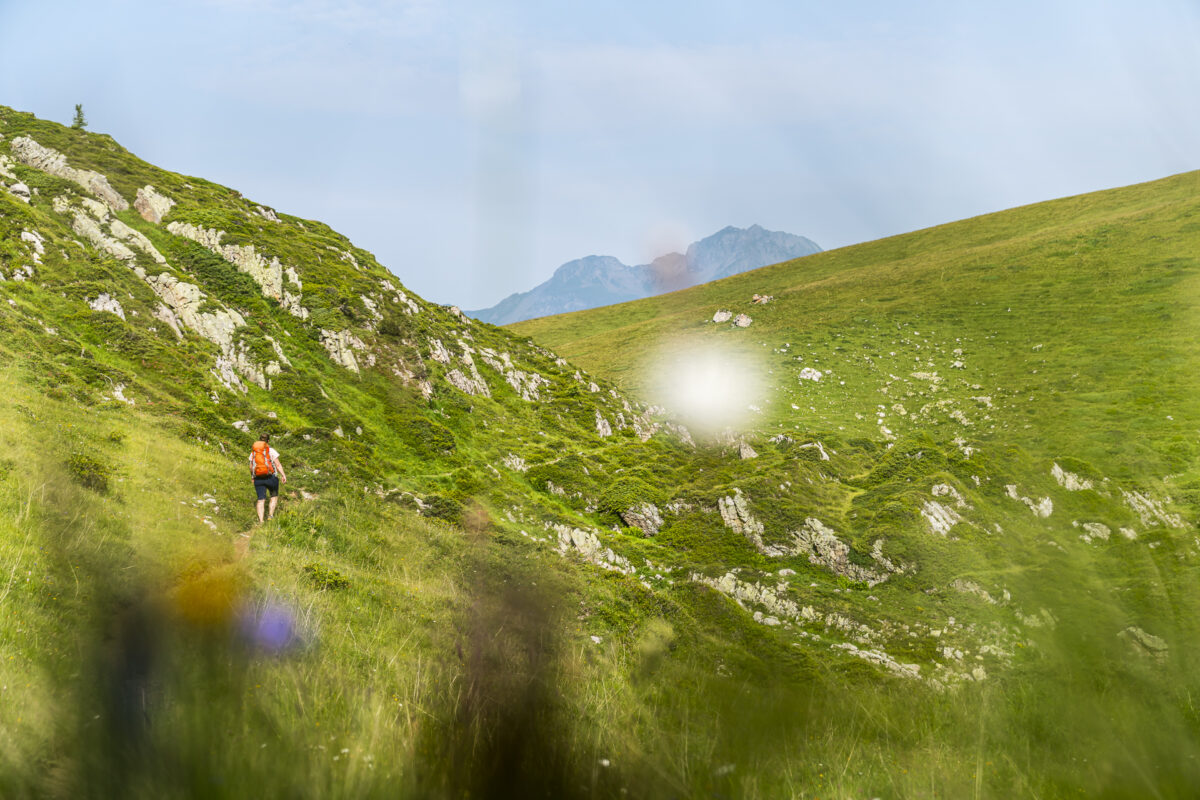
(263, 465)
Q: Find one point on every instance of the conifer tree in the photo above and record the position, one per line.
(80, 121)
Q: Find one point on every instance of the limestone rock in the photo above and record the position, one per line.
(1146, 644)
(1069, 480)
(267, 274)
(1094, 531)
(37, 242)
(137, 239)
(603, 428)
(1152, 512)
(644, 516)
(342, 346)
(106, 302)
(590, 548)
(52, 162)
(152, 205)
(742, 321)
(762, 299)
(1040, 508)
(746, 452)
(515, 463)
(810, 374)
(722, 316)
(438, 351)
(939, 517)
(20, 191)
(946, 490)
(464, 384)
(823, 548)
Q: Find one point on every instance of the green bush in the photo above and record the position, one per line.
(627, 491)
(325, 577)
(89, 471)
(442, 507)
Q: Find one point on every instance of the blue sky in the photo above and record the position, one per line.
(474, 147)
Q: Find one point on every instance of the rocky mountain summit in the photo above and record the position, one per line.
(596, 281)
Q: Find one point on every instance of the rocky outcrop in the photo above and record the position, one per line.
(106, 302)
(52, 162)
(742, 321)
(589, 547)
(603, 428)
(20, 191)
(882, 659)
(152, 205)
(735, 513)
(722, 316)
(644, 516)
(1040, 508)
(824, 548)
(269, 275)
(342, 347)
(527, 385)
(1145, 644)
(1069, 480)
(940, 518)
(472, 383)
(746, 452)
(1151, 511)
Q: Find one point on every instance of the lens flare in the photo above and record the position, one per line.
(711, 387)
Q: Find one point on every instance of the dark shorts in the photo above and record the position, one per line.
(266, 483)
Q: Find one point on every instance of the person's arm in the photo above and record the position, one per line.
(279, 469)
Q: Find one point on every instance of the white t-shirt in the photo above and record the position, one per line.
(273, 453)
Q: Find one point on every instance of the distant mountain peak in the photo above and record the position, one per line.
(594, 280)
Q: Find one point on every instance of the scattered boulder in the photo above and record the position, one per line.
(810, 374)
(20, 191)
(722, 316)
(762, 299)
(746, 452)
(742, 321)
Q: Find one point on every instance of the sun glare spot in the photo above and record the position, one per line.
(710, 387)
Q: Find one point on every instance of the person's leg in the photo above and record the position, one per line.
(259, 506)
(274, 502)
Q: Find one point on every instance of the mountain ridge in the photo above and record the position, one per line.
(594, 280)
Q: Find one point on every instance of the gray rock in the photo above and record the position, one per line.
(152, 205)
(644, 516)
(52, 162)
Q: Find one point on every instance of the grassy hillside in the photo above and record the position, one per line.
(497, 575)
(1076, 317)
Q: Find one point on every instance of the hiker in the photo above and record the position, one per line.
(267, 472)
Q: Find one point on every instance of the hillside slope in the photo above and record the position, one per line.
(1074, 318)
(492, 569)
